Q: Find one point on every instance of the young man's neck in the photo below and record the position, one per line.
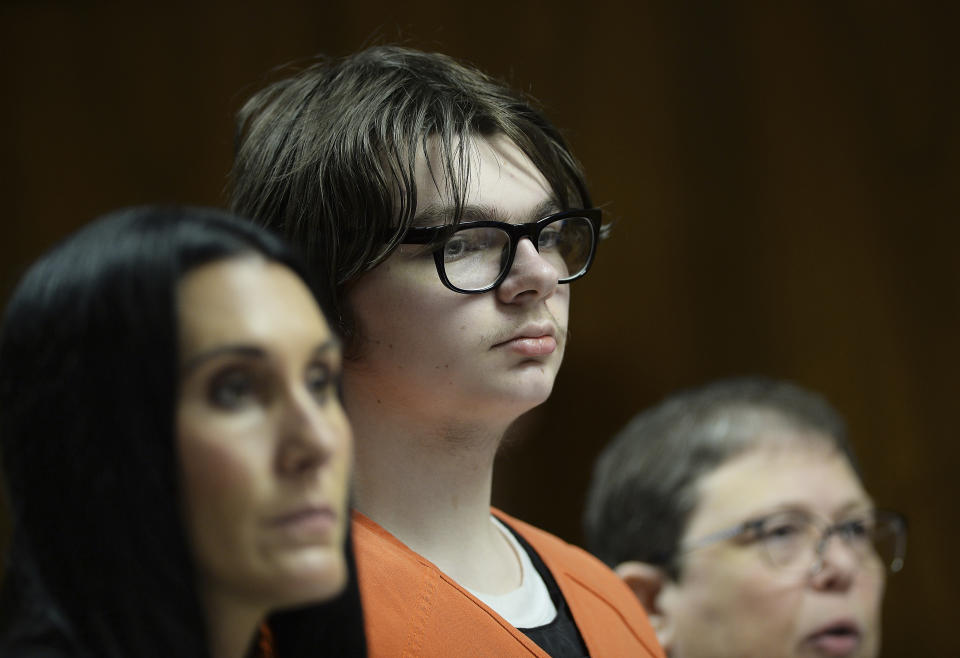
(430, 487)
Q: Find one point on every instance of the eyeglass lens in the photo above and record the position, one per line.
(791, 542)
(475, 257)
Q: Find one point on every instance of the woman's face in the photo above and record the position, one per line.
(731, 602)
(265, 447)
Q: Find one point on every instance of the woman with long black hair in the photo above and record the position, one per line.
(175, 454)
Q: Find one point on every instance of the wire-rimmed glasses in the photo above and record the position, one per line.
(474, 257)
(795, 542)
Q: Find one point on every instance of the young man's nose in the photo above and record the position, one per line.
(531, 277)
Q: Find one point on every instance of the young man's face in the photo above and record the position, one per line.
(455, 358)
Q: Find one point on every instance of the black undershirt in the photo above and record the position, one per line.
(560, 638)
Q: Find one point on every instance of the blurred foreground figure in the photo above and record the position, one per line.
(447, 218)
(174, 448)
(736, 514)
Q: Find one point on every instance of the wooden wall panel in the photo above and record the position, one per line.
(784, 177)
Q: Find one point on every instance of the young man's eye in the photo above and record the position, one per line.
(472, 240)
(232, 389)
(550, 237)
(454, 248)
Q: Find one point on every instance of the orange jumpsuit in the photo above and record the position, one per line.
(411, 608)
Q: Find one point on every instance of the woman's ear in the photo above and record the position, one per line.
(648, 583)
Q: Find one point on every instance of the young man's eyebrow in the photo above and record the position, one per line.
(546, 208)
(435, 214)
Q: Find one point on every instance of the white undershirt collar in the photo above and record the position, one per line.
(529, 605)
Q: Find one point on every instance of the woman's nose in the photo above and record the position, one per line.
(307, 437)
(836, 565)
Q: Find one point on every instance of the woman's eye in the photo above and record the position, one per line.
(781, 531)
(855, 529)
(232, 389)
(319, 380)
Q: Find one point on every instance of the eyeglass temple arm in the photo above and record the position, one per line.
(719, 536)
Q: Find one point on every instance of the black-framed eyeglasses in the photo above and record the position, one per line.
(474, 257)
(795, 542)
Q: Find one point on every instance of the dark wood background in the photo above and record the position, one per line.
(784, 178)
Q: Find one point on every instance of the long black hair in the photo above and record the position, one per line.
(99, 561)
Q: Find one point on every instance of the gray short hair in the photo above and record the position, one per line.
(644, 485)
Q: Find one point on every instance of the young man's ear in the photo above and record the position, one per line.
(648, 583)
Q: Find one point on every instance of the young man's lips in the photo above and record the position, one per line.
(533, 339)
(531, 345)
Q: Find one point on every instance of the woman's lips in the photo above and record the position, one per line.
(836, 640)
(531, 345)
(307, 525)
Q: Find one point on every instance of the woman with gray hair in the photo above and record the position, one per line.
(737, 515)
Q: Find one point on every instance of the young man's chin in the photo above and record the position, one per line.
(531, 390)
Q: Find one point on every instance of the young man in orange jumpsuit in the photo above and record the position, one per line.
(448, 217)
